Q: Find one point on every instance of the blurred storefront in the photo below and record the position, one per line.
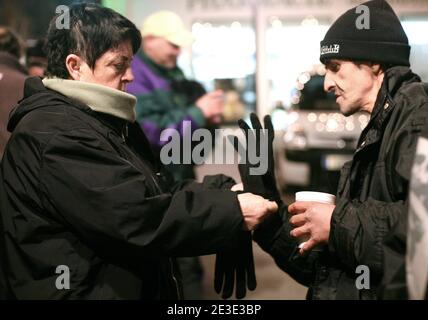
(254, 49)
(259, 48)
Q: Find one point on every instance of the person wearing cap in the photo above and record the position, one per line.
(364, 233)
(161, 104)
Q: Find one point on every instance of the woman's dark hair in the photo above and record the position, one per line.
(93, 30)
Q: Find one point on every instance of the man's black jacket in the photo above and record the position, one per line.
(371, 203)
(81, 189)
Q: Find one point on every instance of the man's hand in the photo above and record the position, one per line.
(211, 105)
(311, 219)
(237, 187)
(255, 209)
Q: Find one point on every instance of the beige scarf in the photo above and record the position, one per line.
(97, 97)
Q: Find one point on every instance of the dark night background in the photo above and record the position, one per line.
(30, 18)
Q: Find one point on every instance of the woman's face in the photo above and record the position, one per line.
(112, 69)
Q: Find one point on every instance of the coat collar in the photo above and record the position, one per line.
(395, 77)
(97, 97)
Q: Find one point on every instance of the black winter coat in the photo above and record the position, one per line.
(82, 189)
(371, 204)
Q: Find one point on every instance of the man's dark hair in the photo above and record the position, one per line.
(10, 42)
(93, 31)
(383, 65)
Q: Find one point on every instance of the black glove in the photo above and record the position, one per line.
(236, 263)
(240, 263)
(265, 184)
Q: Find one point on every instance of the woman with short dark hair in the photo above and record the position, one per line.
(87, 211)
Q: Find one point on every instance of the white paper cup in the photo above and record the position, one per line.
(316, 197)
(313, 196)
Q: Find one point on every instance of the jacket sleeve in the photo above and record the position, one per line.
(360, 230)
(273, 236)
(104, 199)
(218, 181)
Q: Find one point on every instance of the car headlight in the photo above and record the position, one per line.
(295, 138)
(282, 119)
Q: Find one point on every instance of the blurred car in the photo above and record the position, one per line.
(313, 139)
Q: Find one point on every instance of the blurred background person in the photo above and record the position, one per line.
(160, 101)
(165, 99)
(12, 77)
(35, 59)
(415, 273)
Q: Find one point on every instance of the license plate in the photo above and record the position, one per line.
(335, 162)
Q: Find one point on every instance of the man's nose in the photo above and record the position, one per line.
(329, 83)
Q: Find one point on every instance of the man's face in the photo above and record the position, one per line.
(354, 85)
(161, 51)
(112, 69)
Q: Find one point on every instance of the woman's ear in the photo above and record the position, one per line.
(73, 63)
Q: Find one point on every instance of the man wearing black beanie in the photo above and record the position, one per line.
(367, 67)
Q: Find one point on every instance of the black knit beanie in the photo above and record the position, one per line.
(383, 42)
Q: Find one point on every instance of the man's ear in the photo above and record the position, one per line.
(73, 63)
(376, 68)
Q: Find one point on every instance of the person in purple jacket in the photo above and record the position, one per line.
(160, 102)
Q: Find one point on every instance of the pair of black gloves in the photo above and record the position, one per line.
(239, 264)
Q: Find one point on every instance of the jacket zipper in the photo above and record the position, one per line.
(124, 136)
(125, 133)
(177, 288)
(157, 185)
(175, 280)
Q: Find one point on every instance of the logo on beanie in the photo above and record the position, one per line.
(333, 48)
